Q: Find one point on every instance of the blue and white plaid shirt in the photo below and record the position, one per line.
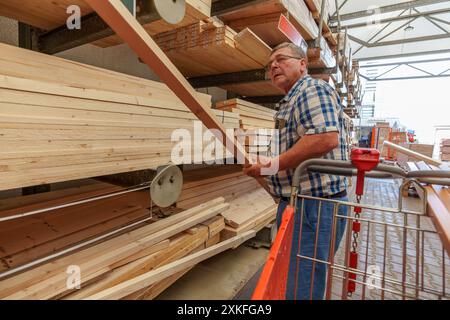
(312, 106)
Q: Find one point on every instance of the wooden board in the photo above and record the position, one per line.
(44, 14)
(257, 223)
(120, 249)
(212, 48)
(53, 132)
(50, 14)
(34, 237)
(247, 207)
(249, 43)
(438, 207)
(70, 75)
(299, 15)
(179, 246)
(146, 279)
(120, 20)
(195, 10)
(204, 184)
(254, 89)
(41, 273)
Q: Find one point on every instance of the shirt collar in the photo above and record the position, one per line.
(294, 88)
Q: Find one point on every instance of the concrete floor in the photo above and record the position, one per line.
(422, 264)
(233, 274)
(220, 278)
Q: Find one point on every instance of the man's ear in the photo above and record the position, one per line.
(304, 65)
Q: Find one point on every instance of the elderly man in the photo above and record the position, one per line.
(310, 125)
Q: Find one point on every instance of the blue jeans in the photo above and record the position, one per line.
(308, 237)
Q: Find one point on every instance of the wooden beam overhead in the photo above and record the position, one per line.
(218, 80)
(229, 78)
(94, 28)
(227, 6)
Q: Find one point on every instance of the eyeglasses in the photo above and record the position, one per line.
(280, 59)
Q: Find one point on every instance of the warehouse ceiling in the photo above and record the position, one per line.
(397, 39)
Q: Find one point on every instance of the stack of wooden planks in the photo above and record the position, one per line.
(33, 237)
(51, 14)
(251, 115)
(251, 207)
(204, 184)
(196, 10)
(263, 18)
(445, 150)
(138, 264)
(213, 48)
(315, 7)
(250, 211)
(322, 57)
(61, 120)
(425, 149)
(256, 123)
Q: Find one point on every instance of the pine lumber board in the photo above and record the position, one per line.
(28, 278)
(214, 59)
(438, 207)
(197, 50)
(44, 227)
(192, 247)
(179, 245)
(75, 238)
(54, 70)
(411, 153)
(195, 10)
(196, 177)
(87, 154)
(256, 224)
(23, 88)
(252, 46)
(228, 193)
(50, 14)
(198, 191)
(101, 264)
(34, 177)
(86, 189)
(239, 103)
(252, 115)
(247, 207)
(47, 14)
(55, 132)
(253, 89)
(214, 225)
(154, 290)
(264, 26)
(297, 12)
(165, 271)
(245, 105)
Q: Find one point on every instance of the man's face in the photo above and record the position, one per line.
(285, 71)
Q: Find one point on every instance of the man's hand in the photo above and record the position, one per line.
(260, 162)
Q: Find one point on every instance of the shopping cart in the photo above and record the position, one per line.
(387, 252)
